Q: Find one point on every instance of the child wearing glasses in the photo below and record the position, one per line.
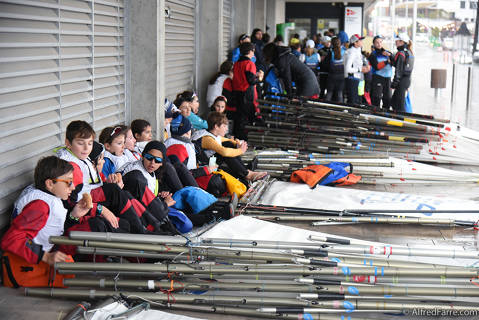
(176, 176)
(38, 214)
(143, 178)
(109, 200)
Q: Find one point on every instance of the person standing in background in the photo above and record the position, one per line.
(324, 67)
(354, 68)
(236, 51)
(403, 64)
(381, 63)
(257, 40)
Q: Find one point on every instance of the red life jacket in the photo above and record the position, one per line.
(311, 175)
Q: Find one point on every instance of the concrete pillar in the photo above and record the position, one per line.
(275, 13)
(241, 19)
(145, 62)
(209, 43)
(259, 14)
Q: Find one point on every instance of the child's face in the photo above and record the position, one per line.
(185, 109)
(130, 141)
(220, 106)
(187, 134)
(152, 165)
(145, 135)
(222, 129)
(80, 147)
(62, 186)
(117, 145)
(195, 105)
(100, 162)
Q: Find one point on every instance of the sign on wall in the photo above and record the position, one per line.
(353, 20)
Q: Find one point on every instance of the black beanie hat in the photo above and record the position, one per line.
(157, 145)
(96, 151)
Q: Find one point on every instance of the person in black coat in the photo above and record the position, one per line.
(292, 70)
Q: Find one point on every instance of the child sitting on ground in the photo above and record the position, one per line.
(213, 142)
(181, 149)
(141, 130)
(177, 175)
(195, 120)
(113, 138)
(219, 105)
(38, 214)
(109, 200)
(142, 179)
(130, 142)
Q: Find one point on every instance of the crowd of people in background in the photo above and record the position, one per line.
(129, 182)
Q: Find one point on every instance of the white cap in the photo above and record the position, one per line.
(403, 36)
(310, 44)
(326, 39)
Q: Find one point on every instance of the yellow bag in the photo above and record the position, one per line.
(233, 185)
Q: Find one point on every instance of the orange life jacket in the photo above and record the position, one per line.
(311, 175)
(17, 272)
(348, 180)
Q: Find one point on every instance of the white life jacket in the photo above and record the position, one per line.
(200, 134)
(190, 148)
(118, 161)
(150, 178)
(56, 215)
(91, 178)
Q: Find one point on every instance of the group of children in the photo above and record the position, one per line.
(127, 182)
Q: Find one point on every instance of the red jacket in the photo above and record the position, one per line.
(40, 215)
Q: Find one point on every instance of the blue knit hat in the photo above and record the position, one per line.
(180, 125)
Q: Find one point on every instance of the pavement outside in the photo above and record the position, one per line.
(14, 306)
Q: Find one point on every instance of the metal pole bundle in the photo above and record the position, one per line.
(331, 128)
(329, 276)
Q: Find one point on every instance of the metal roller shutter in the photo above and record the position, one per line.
(227, 28)
(179, 46)
(60, 60)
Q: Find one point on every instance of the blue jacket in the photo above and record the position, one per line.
(197, 122)
(193, 197)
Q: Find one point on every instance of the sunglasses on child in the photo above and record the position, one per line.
(150, 157)
(68, 182)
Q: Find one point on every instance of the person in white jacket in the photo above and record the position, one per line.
(353, 68)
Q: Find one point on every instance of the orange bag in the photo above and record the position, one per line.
(311, 175)
(17, 272)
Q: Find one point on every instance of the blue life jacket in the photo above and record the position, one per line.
(312, 61)
(387, 71)
(193, 197)
(337, 65)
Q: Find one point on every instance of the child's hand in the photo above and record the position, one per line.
(52, 257)
(80, 209)
(115, 178)
(212, 168)
(110, 217)
(244, 146)
(169, 201)
(164, 194)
